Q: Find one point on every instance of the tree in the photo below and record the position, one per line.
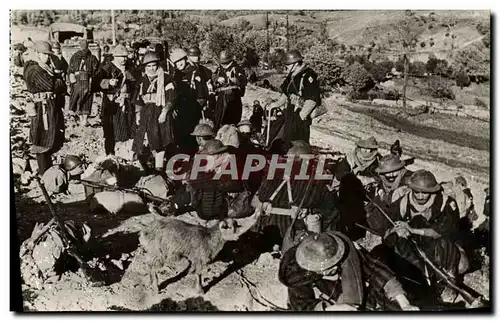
(463, 80)
(377, 71)
(417, 69)
(328, 68)
(473, 59)
(357, 77)
(407, 34)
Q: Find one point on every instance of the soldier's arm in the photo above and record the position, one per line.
(170, 94)
(382, 279)
(310, 94)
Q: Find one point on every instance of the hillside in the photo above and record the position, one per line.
(356, 28)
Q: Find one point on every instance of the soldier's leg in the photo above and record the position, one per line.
(109, 134)
(44, 161)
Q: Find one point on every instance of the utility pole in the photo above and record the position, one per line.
(287, 41)
(113, 26)
(267, 30)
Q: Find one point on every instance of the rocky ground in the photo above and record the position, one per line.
(249, 282)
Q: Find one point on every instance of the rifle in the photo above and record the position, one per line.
(140, 191)
(90, 273)
(449, 280)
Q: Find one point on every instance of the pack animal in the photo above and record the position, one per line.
(168, 240)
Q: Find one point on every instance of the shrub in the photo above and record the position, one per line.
(438, 88)
(481, 103)
(378, 72)
(328, 68)
(357, 77)
(417, 69)
(391, 94)
(463, 80)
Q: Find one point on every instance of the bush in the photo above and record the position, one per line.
(357, 77)
(378, 72)
(463, 80)
(481, 103)
(438, 88)
(328, 68)
(417, 69)
(391, 94)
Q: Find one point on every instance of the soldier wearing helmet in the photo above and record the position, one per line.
(154, 106)
(229, 83)
(430, 218)
(82, 69)
(60, 63)
(117, 84)
(203, 134)
(46, 105)
(301, 96)
(328, 272)
(187, 108)
(207, 96)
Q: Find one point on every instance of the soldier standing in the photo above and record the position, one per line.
(189, 88)
(207, 95)
(118, 113)
(83, 67)
(46, 110)
(60, 64)
(301, 94)
(230, 83)
(154, 103)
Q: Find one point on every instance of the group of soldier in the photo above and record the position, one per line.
(161, 102)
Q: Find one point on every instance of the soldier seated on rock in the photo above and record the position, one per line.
(328, 272)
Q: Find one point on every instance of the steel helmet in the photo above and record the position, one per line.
(424, 181)
(56, 45)
(194, 51)
(71, 162)
(43, 47)
(120, 51)
(225, 57)
(292, 57)
(320, 252)
(389, 163)
(177, 54)
(369, 143)
(150, 57)
(300, 148)
(213, 147)
(203, 130)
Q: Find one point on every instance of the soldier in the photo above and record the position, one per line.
(206, 98)
(83, 67)
(328, 272)
(60, 64)
(301, 94)
(230, 83)
(280, 198)
(118, 111)
(154, 103)
(209, 195)
(203, 134)
(364, 158)
(46, 110)
(392, 185)
(257, 117)
(189, 93)
(430, 218)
